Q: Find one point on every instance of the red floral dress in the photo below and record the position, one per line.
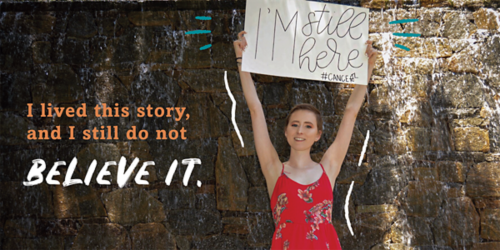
(303, 214)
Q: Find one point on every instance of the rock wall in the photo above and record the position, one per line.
(430, 178)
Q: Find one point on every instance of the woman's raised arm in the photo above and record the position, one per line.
(334, 156)
(268, 157)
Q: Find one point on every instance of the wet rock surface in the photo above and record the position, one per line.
(457, 224)
(109, 236)
(151, 236)
(118, 205)
(430, 177)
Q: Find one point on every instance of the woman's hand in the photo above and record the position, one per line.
(240, 44)
(371, 53)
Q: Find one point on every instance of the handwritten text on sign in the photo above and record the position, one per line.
(308, 40)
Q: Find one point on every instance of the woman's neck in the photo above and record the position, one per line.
(300, 159)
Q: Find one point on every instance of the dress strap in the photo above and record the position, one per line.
(322, 167)
(283, 168)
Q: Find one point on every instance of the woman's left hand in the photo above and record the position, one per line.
(371, 53)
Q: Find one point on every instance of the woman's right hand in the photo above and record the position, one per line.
(240, 44)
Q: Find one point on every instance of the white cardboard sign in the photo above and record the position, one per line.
(307, 40)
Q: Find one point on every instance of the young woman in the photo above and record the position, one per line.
(301, 190)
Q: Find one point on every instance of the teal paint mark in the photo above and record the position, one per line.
(401, 47)
(404, 21)
(404, 34)
(206, 47)
(407, 34)
(195, 32)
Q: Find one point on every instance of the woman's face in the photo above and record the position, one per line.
(302, 130)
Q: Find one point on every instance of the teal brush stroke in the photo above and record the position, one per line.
(206, 47)
(404, 21)
(194, 32)
(401, 47)
(406, 34)
(203, 18)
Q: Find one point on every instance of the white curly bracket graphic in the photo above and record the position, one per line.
(346, 207)
(233, 110)
(364, 148)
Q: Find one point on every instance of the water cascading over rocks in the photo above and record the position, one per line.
(430, 178)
